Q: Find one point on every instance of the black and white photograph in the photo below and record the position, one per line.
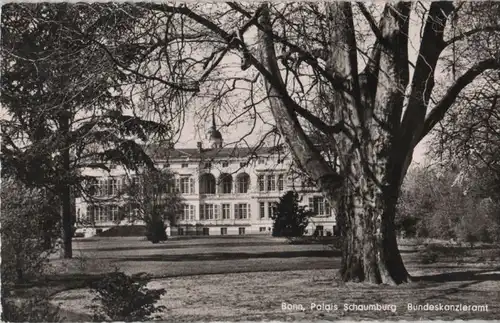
(250, 161)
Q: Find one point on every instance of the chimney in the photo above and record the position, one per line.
(199, 146)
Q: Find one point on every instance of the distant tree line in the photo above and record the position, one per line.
(451, 204)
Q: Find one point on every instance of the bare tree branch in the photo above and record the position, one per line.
(438, 112)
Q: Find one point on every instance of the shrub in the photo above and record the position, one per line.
(290, 219)
(29, 227)
(429, 255)
(36, 309)
(155, 231)
(125, 298)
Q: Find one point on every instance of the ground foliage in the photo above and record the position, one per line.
(29, 231)
(119, 297)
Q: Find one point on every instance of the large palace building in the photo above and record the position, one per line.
(225, 191)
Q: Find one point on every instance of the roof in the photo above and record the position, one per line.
(163, 153)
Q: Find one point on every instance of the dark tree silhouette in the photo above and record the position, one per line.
(290, 219)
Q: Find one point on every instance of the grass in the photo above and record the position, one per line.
(193, 257)
(258, 296)
(234, 279)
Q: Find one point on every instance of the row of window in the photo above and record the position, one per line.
(208, 184)
(107, 187)
(207, 165)
(103, 213)
(215, 212)
(206, 231)
(223, 211)
(269, 183)
(318, 205)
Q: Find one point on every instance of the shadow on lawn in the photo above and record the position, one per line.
(457, 276)
(232, 256)
(188, 246)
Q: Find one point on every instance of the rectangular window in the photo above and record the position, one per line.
(225, 164)
(185, 185)
(99, 188)
(242, 211)
(114, 213)
(206, 231)
(319, 206)
(207, 165)
(180, 231)
(270, 209)
(262, 229)
(243, 164)
(281, 182)
(171, 185)
(191, 184)
(271, 183)
(184, 165)
(191, 212)
(262, 210)
(178, 185)
(261, 161)
(90, 213)
(223, 231)
(185, 212)
(226, 211)
(101, 213)
(206, 212)
(216, 212)
(114, 186)
(262, 186)
(241, 231)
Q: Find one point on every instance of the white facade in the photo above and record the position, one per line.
(225, 193)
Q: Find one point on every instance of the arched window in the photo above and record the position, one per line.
(225, 183)
(207, 184)
(243, 183)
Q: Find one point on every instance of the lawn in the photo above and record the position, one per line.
(193, 257)
(239, 279)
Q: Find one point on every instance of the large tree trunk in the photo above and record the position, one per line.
(368, 182)
(65, 194)
(67, 225)
(370, 252)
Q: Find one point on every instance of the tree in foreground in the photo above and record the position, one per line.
(333, 68)
(290, 218)
(66, 107)
(154, 199)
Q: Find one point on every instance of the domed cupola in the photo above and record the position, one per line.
(214, 135)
